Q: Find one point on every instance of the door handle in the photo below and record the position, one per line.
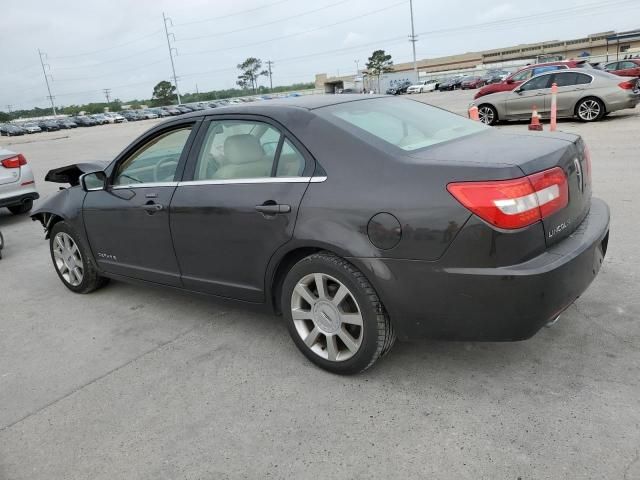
(273, 208)
(152, 207)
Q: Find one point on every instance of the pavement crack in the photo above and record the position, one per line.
(106, 374)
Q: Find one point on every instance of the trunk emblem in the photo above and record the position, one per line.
(579, 175)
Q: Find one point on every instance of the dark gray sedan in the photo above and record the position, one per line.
(358, 218)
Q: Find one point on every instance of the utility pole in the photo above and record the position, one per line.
(9, 108)
(171, 50)
(357, 62)
(107, 93)
(413, 39)
(269, 63)
(46, 79)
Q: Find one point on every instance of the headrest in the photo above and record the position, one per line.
(244, 148)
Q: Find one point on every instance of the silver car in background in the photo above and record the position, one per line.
(588, 94)
(17, 185)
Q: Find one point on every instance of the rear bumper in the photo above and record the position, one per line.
(18, 199)
(429, 300)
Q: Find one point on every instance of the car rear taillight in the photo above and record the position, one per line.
(14, 162)
(628, 85)
(512, 204)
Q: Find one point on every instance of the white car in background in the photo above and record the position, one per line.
(17, 185)
(114, 117)
(422, 87)
(31, 127)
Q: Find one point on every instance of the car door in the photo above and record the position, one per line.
(571, 87)
(127, 222)
(535, 92)
(237, 205)
(628, 69)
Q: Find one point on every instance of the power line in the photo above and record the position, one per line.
(252, 27)
(373, 12)
(46, 79)
(171, 50)
(113, 47)
(210, 19)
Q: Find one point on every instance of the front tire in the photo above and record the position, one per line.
(488, 114)
(22, 208)
(334, 315)
(590, 109)
(72, 260)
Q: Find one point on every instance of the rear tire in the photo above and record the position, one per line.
(72, 260)
(590, 109)
(22, 208)
(340, 323)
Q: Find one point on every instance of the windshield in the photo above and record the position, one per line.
(406, 124)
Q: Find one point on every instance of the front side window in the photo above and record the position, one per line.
(405, 124)
(536, 83)
(611, 67)
(156, 161)
(237, 149)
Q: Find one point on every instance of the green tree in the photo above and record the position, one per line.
(251, 71)
(379, 63)
(163, 93)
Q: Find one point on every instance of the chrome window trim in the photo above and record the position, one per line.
(240, 181)
(145, 185)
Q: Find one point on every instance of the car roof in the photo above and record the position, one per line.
(306, 102)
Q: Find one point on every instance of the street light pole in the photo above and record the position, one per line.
(413, 39)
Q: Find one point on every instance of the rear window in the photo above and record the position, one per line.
(405, 124)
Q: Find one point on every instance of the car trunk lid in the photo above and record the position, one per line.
(496, 155)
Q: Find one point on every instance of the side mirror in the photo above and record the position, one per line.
(509, 80)
(93, 181)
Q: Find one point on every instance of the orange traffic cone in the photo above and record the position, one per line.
(473, 113)
(535, 120)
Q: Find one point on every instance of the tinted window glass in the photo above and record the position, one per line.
(235, 149)
(625, 65)
(548, 68)
(522, 76)
(291, 162)
(405, 124)
(611, 66)
(565, 79)
(582, 79)
(154, 162)
(536, 83)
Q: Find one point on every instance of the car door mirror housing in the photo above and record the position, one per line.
(93, 181)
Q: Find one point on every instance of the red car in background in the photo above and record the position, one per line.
(624, 68)
(515, 79)
(473, 82)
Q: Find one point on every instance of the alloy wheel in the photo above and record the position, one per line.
(589, 110)
(68, 259)
(327, 317)
(486, 115)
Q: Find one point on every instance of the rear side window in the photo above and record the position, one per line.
(571, 78)
(405, 124)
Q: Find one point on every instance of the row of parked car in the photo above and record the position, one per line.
(50, 125)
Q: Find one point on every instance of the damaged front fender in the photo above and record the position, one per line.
(65, 205)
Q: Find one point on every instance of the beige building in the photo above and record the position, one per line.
(600, 47)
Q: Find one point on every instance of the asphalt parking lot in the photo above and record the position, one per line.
(134, 382)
